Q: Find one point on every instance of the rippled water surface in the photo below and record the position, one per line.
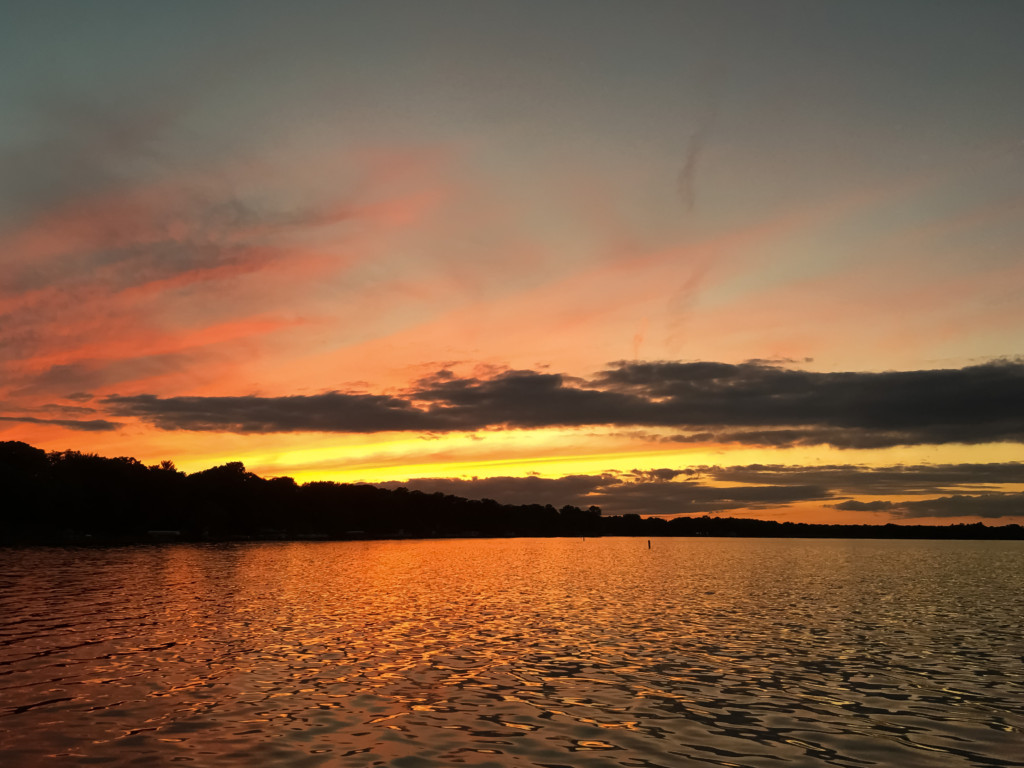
(517, 652)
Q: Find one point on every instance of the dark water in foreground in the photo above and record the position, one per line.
(558, 652)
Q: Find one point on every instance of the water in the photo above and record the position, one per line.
(519, 652)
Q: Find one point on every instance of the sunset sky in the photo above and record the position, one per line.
(750, 258)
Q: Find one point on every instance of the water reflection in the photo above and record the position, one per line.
(515, 652)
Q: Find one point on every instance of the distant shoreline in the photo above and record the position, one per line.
(991, 533)
(73, 499)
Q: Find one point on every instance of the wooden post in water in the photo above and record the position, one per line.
(648, 543)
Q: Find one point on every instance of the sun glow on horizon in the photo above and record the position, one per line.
(554, 453)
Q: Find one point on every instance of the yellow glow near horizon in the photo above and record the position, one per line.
(550, 453)
(371, 458)
(560, 452)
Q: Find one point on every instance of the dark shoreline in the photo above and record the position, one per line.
(716, 528)
(74, 499)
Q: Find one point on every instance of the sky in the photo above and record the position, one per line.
(745, 258)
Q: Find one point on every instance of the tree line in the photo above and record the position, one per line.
(68, 497)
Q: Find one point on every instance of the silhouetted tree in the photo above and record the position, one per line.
(67, 496)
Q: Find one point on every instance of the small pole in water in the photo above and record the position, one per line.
(648, 543)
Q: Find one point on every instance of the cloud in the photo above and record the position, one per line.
(686, 182)
(894, 480)
(647, 492)
(863, 506)
(753, 403)
(986, 505)
(571, 489)
(93, 374)
(329, 412)
(981, 505)
(79, 149)
(89, 425)
(712, 489)
(749, 403)
(673, 498)
(106, 233)
(125, 234)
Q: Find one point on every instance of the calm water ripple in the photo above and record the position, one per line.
(518, 652)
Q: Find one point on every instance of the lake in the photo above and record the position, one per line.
(515, 652)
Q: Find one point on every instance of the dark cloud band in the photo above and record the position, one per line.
(81, 425)
(750, 403)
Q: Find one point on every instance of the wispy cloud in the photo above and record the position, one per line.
(125, 259)
(80, 425)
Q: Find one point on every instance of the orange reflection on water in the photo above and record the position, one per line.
(506, 650)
